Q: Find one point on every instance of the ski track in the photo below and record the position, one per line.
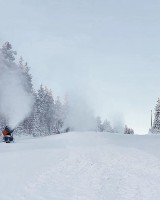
(90, 172)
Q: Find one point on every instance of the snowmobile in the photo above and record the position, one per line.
(7, 135)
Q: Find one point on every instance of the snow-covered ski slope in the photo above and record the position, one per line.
(81, 166)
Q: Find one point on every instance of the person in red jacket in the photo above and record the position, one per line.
(7, 134)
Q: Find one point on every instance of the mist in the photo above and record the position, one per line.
(15, 102)
(80, 116)
(118, 122)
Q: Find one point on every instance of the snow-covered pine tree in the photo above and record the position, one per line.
(99, 127)
(45, 111)
(49, 111)
(58, 115)
(26, 79)
(103, 126)
(106, 126)
(34, 118)
(128, 130)
(156, 124)
(40, 103)
(66, 110)
(8, 52)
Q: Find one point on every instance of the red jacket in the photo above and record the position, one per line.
(4, 132)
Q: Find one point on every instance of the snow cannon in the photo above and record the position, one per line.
(7, 134)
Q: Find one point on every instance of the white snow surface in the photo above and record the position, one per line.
(81, 166)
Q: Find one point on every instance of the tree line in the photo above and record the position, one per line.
(48, 113)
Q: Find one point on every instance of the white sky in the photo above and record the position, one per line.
(108, 51)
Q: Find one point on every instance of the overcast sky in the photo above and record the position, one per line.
(107, 51)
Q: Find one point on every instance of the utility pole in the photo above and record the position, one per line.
(151, 118)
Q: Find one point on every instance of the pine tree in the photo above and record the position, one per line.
(8, 52)
(26, 81)
(45, 111)
(58, 115)
(156, 124)
(106, 126)
(34, 118)
(128, 130)
(27, 77)
(99, 127)
(40, 102)
(49, 111)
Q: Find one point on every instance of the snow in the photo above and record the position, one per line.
(81, 166)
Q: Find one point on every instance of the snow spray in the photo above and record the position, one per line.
(15, 103)
(80, 116)
(118, 122)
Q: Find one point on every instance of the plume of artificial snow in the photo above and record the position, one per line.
(15, 102)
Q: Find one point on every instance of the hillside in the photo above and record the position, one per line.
(81, 166)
